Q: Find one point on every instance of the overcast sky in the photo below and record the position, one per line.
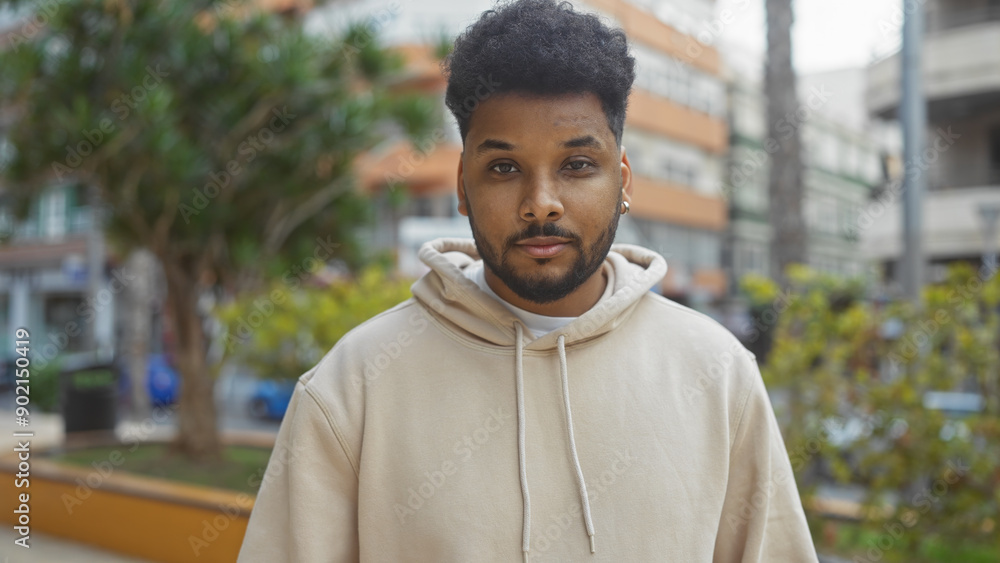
(828, 34)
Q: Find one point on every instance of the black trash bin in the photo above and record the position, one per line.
(89, 399)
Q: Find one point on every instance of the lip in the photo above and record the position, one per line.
(543, 247)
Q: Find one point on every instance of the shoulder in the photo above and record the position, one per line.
(389, 331)
(712, 361)
(366, 352)
(686, 325)
(338, 382)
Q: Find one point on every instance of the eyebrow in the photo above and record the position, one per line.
(578, 142)
(493, 145)
(585, 141)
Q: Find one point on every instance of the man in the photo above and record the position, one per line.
(534, 400)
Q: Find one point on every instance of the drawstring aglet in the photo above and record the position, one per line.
(525, 556)
(592, 544)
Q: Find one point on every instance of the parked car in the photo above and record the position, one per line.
(956, 406)
(162, 381)
(270, 398)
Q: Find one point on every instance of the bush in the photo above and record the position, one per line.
(45, 386)
(851, 379)
(282, 334)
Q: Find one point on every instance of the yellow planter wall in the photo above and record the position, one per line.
(142, 517)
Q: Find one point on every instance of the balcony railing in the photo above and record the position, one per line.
(969, 179)
(944, 19)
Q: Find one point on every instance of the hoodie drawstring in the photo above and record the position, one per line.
(522, 460)
(584, 497)
(526, 529)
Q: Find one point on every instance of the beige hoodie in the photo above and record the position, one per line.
(439, 431)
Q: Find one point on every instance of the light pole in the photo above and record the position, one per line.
(913, 112)
(988, 214)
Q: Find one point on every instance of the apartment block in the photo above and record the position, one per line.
(961, 160)
(842, 169)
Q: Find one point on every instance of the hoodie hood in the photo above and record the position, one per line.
(450, 296)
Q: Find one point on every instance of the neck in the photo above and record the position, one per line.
(573, 305)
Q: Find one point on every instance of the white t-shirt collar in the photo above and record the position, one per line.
(538, 325)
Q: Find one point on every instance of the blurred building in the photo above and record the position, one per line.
(961, 82)
(676, 133)
(45, 284)
(843, 167)
(45, 261)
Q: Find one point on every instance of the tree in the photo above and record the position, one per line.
(140, 297)
(788, 243)
(220, 141)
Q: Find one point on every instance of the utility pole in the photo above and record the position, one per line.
(913, 114)
(989, 213)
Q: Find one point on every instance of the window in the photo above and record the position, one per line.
(750, 257)
(660, 158)
(422, 207)
(53, 213)
(61, 318)
(6, 153)
(995, 155)
(671, 78)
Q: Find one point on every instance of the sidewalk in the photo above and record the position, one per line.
(50, 549)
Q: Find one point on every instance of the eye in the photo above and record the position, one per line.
(578, 165)
(504, 168)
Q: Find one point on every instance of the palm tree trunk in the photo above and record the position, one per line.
(788, 243)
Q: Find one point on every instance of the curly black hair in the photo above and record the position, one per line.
(539, 47)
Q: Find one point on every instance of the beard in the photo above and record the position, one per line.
(537, 287)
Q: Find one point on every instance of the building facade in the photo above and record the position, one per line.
(842, 168)
(45, 279)
(961, 161)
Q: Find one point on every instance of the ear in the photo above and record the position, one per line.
(463, 206)
(626, 178)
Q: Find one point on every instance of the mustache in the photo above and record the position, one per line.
(545, 230)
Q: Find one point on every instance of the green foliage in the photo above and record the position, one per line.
(760, 290)
(45, 386)
(303, 323)
(216, 141)
(852, 538)
(443, 44)
(239, 468)
(846, 363)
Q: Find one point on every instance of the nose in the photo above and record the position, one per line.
(541, 201)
